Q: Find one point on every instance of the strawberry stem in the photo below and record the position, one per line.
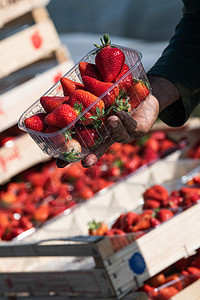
(94, 225)
(105, 41)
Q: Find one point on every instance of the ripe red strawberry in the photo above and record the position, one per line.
(156, 192)
(132, 164)
(97, 88)
(109, 59)
(166, 144)
(154, 222)
(89, 69)
(69, 86)
(51, 129)
(138, 92)
(86, 119)
(36, 122)
(86, 136)
(86, 99)
(62, 116)
(49, 103)
(112, 173)
(167, 292)
(175, 201)
(126, 83)
(85, 193)
(196, 179)
(58, 139)
(151, 203)
(186, 189)
(164, 214)
(149, 154)
(153, 144)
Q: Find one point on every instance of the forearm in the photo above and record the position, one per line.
(180, 66)
(164, 91)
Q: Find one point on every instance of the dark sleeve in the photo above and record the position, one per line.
(180, 64)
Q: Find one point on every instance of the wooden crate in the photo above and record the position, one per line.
(107, 205)
(30, 44)
(10, 10)
(16, 157)
(104, 270)
(191, 292)
(23, 95)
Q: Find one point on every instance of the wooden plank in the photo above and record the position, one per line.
(12, 10)
(83, 246)
(131, 296)
(191, 292)
(62, 54)
(40, 14)
(19, 156)
(27, 46)
(22, 96)
(155, 250)
(82, 282)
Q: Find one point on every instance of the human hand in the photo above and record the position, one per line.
(124, 127)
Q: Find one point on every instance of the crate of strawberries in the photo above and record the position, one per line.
(69, 120)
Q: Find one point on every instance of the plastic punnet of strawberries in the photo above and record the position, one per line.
(71, 120)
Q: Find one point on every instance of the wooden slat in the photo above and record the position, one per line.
(85, 246)
(40, 14)
(22, 96)
(159, 249)
(191, 292)
(22, 154)
(132, 296)
(11, 11)
(82, 282)
(27, 46)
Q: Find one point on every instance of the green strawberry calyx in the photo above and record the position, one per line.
(105, 42)
(72, 156)
(135, 80)
(121, 105)
(94, 225)
(97, 119)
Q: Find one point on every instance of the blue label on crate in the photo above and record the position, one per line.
(137, 263)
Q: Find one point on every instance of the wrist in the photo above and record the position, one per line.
(164, 91)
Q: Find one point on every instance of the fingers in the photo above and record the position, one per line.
(128, 124)
(119, 133)
(92, 158)
(121, 126)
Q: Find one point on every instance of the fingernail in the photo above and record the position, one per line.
(61, 164)
(89, 161)
(114, 124)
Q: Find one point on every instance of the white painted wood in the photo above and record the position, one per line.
(22, 96)
(11, 10)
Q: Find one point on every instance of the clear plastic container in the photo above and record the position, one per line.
(50, 142)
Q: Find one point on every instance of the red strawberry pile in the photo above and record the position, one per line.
(194, 151)
(44, 191)
(174, 279)
(158, 196)
(80, 110)
(130, 226)
(40, 193)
